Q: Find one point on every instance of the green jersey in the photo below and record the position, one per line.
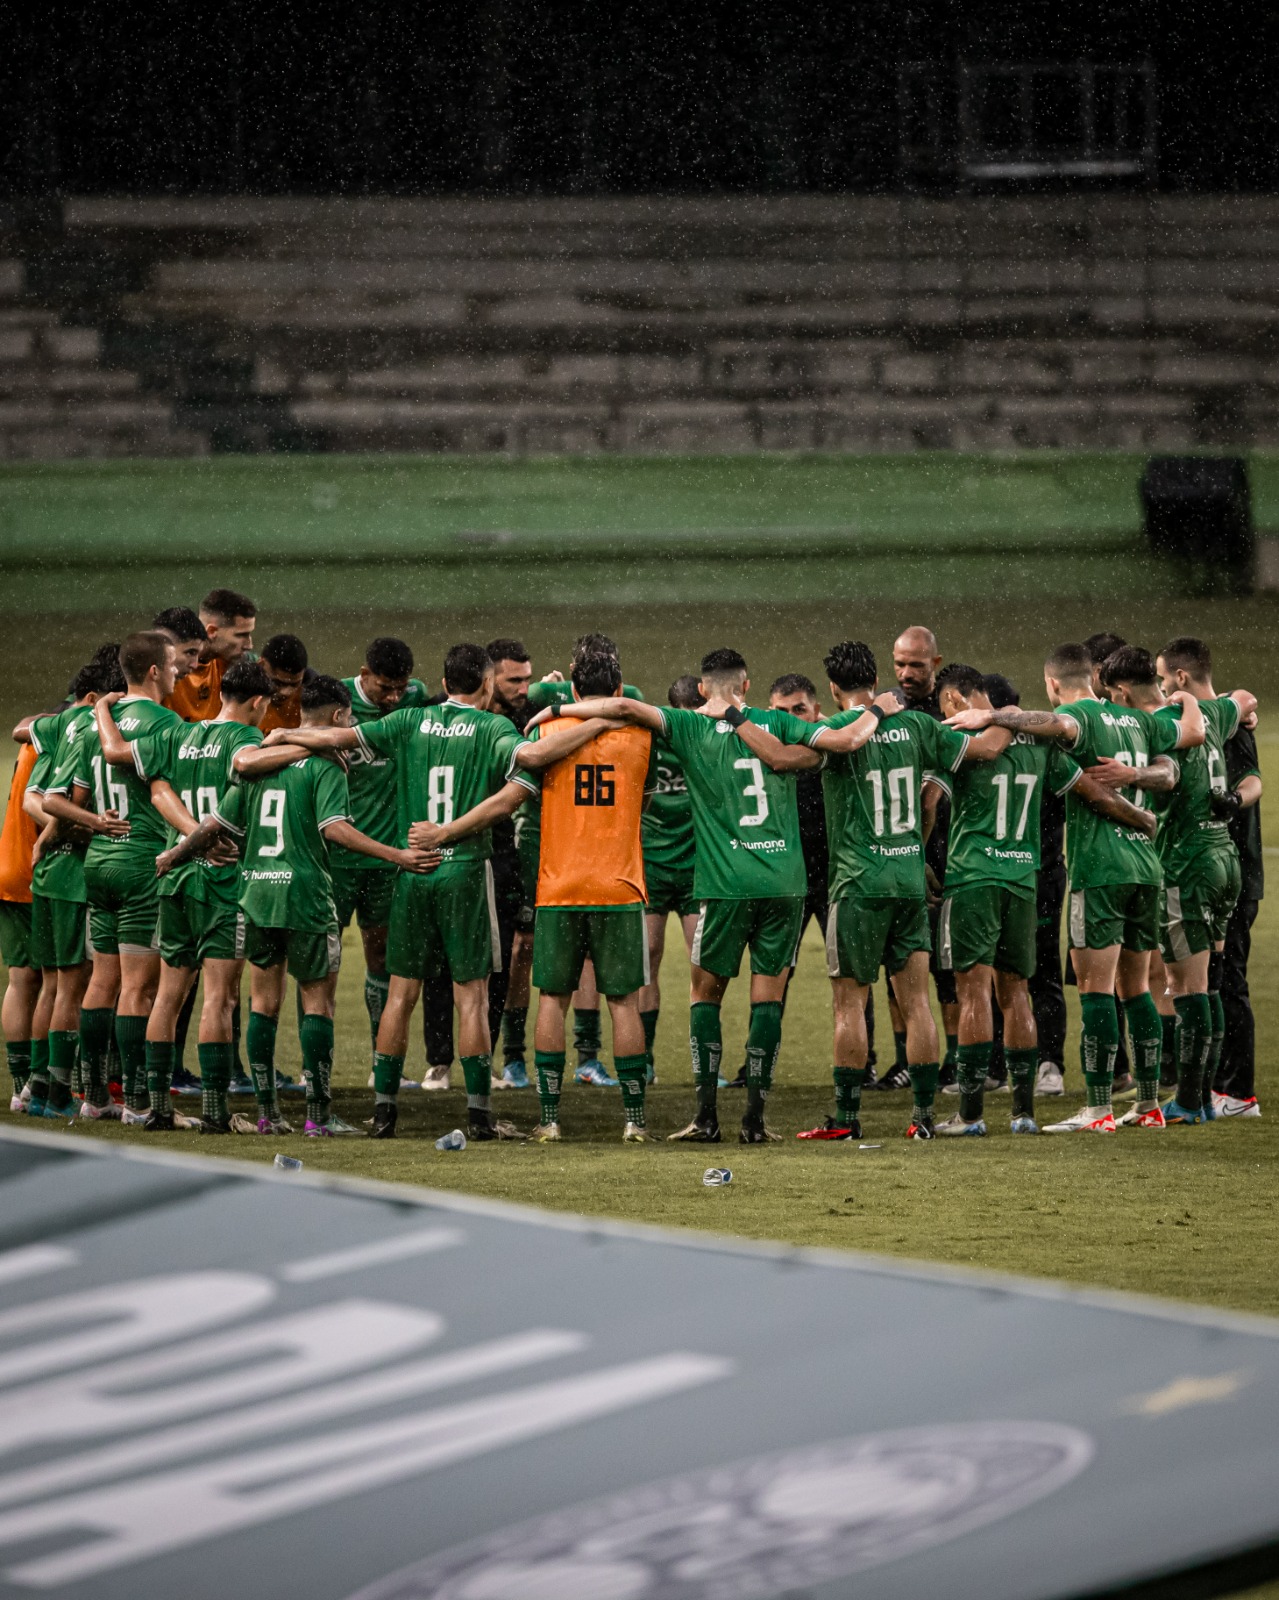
(448, 758)
(120, 789)
(994, 815)
(195, 758)
(1101, 854)
(372, 778)
(1188, 830)
(667, 829)
(745, 817)
(59, 873)
(285, 880)
(541, 695)
(874, 814)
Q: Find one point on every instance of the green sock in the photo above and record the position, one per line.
(1216, 1041)
(649, 1020)
(632, 1074)
(260, 1048)
(1194, 1041)
(377, 986)
(1168, 1050)
(160, 1056)
(478, 1073)
(1098, 1046)
(849, 1083)
(951, 1058)
(707, 1045)
(387, 1072)
(39, 1079)
(586, 1034)
(1145, 1042)
(973, 1064)
(18, 1052)
(131, 1041)
(316, 1037)
(1022, 1066)
(514, 1023)
(216, 1064)
(95, 1037)
(763, 1042)
(923, 1080)
(549, 1067)
(62, 1049)
(899, 1050)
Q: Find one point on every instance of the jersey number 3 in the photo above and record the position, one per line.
(594, 785)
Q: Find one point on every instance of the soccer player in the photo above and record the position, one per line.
(201, 927)
(448, 759)
(284, 657)
(119, 876)
(286, 820)
(1241, 805)
(509, 987)
(363, 884)
(1200, 863)
(748, 876)
(1114, 872)
(1100, 647)
(988, 922)
(666, 833)
(228, 619)
(188, 634)
(22, 991)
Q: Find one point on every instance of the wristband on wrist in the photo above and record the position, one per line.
(877, 712)
(734, 717)
(557, 708)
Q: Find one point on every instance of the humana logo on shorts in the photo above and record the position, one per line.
(269, 874)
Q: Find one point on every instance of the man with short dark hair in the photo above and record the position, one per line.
(186, 630)
(285, 659)
(1237, 1096)
(227, 618)
(1100, 647)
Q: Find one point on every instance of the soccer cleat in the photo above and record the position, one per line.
(739, 1082)
(169, 1122)
(284, 1084)
(17, 1105)
(242, 1124)
(276, 1125)
(42, 1110)
(184, 1082)
(632, 1133)
(1229, 1105)
(108, 1113)
(753, 1131)
(131, 1118)
(385, 1115)
(514, 1076)
(25, 1096)
(213, 1125)
(1049, 1080)
(898, 1078)
(507, 1130)
(1179, 1116)
(546, 1133)
(339, 1128)
(316, 1130)
(437, 1078)
(996, 1085)
(1141, 1119)
(239, 1084)
(1023, 1125)
(830, 1129)
(1209, 1110)
(956, 1128)
(950, 1088)
(1088, 1119)
(698, 1132)
(593, 1072)
(921, 1126)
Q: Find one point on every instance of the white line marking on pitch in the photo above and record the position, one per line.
(375, 1254)
(34, 1258)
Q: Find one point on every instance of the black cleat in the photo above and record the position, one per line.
(698, 1132)
(481, 1131)
(385, 1116)
(753, 1131)
(921, 1126)
(898, 1078)
(739, 1082)
(213, 1125)
(159, 1122)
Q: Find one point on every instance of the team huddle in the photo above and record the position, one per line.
(192, 809)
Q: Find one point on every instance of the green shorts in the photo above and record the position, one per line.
(364, 893)
(670, 889)
(987, 926)
(59, 932)
(1196, 911)
(124, 905)
(1126, 914)
(528, 853)
(445, 920)
(192, 931)
(310, 956)
(864, 933)
(15, 934)
(770, 928)
(614, 938)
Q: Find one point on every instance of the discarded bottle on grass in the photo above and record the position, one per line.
(287, 1163)
(452, 1141)
(716, 1177)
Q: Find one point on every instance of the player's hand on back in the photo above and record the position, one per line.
(113, 825)
(971, 721)
(1112, 774)
(1149, 824)
(425, 836)
(420, 861)
(223, 852)
(110, 699)
(555, 676)
(890, 702)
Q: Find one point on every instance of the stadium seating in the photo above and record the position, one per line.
(184, 326)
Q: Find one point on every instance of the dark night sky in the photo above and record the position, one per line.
(574, 96)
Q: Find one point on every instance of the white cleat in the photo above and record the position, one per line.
(1088, 1119)
(1229, 1105)
(131, 1119)
(632, 1133)
(545, 1133)
(1049, 1080)
(437, 1078)
(107, 1113)
(17, 1105)
(956, 1128)
(1143, 1117)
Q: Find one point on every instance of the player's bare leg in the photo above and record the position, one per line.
(910, 989)
(175, 985)
(1095, 971)
(850, 1054)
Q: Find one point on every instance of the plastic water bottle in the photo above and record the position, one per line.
(452, 1141)
(716, 1177)
(287, 1163)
